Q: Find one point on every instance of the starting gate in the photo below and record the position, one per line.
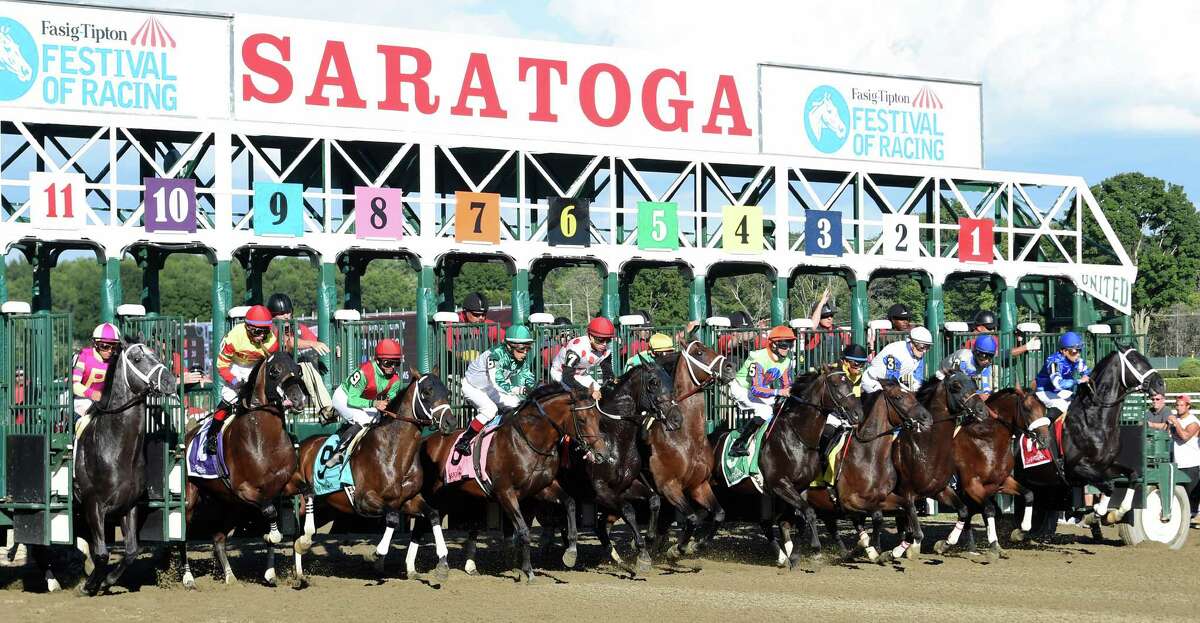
(548, 339)
(735, 344)
(36, 426)
(355, 340)
(457, 344)
(815, 348)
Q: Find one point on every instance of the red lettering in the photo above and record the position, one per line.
(679, 122)
(335, 71)
(266, 68)
(479, 70)
(393, 78)
(587, 95)
(541, 72)
(726, 103)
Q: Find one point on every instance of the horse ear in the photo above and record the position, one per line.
(413, 374)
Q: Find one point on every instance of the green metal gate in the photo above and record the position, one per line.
(456, 345)
(36, 426)
(547, 341)
(819, 347)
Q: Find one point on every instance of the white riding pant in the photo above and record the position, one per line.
(353, 415)
(1054, 400)
(229, 391)
(81, 406)
(487, 401)
(746, 402)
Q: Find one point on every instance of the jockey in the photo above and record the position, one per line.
(499, 377)
(765, 376)
(976, 362)
(660, 344)
(902, 361)
(281, 309)
(361, 397)
(573, 364)
(854, 360)
(91, 367)
(1056, 382)
(244, 346)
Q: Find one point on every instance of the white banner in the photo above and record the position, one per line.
(112, 60)
(1113, 286)
(299, 71)
(830, 114)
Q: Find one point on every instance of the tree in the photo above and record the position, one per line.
(662, 292)
(574, 292)
(749, 293)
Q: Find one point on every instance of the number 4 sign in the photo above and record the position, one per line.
(975, 238)
(170, 205)
(742, 231)
(57, 200)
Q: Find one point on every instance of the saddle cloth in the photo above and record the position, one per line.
(459, 468)
(328, 480)
(1031, 456)
(737, 468)
(200, 464)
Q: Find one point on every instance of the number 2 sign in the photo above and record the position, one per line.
(477, 217)
(378, 213)
(57, 200)
(975, 238)
(901, 238)
(170, 205)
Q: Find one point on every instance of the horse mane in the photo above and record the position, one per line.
(670, 361)
(107, 392)
(246, 391)
(928, 389)
(801, 385)
(546, 390)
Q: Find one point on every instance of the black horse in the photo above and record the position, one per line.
(110, 465)
(1091, 439)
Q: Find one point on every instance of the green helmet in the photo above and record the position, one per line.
(518, 334)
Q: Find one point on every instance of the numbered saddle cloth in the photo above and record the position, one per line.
(328, 480)
(737, 468)
(459, 468)
(202, 465)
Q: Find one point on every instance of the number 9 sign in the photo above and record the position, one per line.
(823, 232)
(378, 213)
(658, 225)
(278, 209)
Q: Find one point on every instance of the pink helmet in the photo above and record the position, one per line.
(106, 332)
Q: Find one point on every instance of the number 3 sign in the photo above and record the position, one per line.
(822, 232)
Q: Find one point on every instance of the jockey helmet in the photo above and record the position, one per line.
(739, 319)
(106, 332)
(279, 304)
(781, 333)
(985, 318)
(258, 316)
(855, 352)
(899, 312)
(661, 342)
(601, 327)
(921, 335)
(645, 316)
(986, 345)
(827, 311)
(518, 334)
(476, 303)
(388, 350)
(1070, 339)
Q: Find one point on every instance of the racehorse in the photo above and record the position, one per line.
(613, 484)
(867, 477)
(923, 468)
(259, 454)
(523, 461)
(790, 458)
(1090, 435)
(681, 459)
(983, 460)
(110, 464)
(387, 478)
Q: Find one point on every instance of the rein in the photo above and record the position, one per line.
(692, 362)
(140, 397)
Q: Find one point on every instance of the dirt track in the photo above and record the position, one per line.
(1099, 581)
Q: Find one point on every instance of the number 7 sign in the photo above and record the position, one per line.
(975, 238)
(477, 217)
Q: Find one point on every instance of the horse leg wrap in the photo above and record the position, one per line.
(440, 542)
(1027, 517)
(899, 550)
(52, 584)
(386, 542)
(1126, 502)
(1101, 507)
(787, 547)
(864, 539)
(991, 529)
(410, 559)
(955, 533)
(299, 565)
(310, 519)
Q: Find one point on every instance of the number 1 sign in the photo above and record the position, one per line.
(975, 238)
(170, 205)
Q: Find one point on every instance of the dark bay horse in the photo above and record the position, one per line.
(523, 462)
(681, 459)
(387, 476)
(983, 461)
(867, 477)
(110, 463)
(790, 459)
(1091, 436)
(642, 397)
(924, 467)
(260, 457)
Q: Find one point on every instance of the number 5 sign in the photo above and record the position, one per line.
(477, 217)
(569, 222)
(57, 200)
(975, 238)
(901, 238)
(658, 225)
(170, 205)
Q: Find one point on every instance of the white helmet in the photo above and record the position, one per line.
(921, 335)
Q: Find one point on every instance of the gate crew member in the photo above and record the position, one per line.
(660, 344)
(975, 362)
(281, 309)
(245, 345)
(499, 378)
(361, 397)
(985, 322)
(91, 367)
(1056, 383)
(765, 376)
(573, 365)
(902, 361)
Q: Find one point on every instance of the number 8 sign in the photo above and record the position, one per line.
(170, 205)
(378, 213)
(658, 225)
(278, 209)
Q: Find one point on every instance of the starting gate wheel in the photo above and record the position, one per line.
(1147, 525)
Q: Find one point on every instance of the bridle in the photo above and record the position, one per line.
(692, 364)
(150, 386)
(655, 411)
(1127, 367)
(959, 408)
(577, 438)
(422, 414)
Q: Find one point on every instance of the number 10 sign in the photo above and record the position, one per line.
(170, 205)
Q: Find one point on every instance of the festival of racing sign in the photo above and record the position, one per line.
(833, 114)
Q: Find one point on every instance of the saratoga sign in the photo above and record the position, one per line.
(299, 71)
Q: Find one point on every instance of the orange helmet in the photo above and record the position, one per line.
(259, 316)
(388, 350)
(781, 333)
(601, 327)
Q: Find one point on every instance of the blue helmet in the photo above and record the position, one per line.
(1070, 339)
(985, 344)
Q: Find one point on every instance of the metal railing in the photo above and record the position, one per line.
(456, 345)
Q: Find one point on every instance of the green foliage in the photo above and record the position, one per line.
(1189, 384)
(573, 292)
(1189, 367)
(887, 291)
(964, 296)
(388, 285)
(806, 293)
(661, 291)
(749, 293)
(489, 278)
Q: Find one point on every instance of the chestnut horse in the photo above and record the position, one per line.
(523, 461)
(260, 456)
(983, 461)
(387, 478)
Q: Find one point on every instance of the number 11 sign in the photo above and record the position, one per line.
(170, 205)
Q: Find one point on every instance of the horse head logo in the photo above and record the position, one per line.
(18, 60)
(11, 58)
(826, 119)
(823, 115)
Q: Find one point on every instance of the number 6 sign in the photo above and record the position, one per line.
(569, 222)
(170, 205)
(975, 238)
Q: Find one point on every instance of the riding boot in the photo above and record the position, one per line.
(746, 433)
(828, 434)
(463, 447)
(214, 430)
(345, 437)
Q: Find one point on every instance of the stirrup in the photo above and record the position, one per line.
(463, 447)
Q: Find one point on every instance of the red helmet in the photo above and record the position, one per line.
(388, 349)
(601, 327)
(780, 333)
(258, 316)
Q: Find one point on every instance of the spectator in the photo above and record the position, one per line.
(1158, 413)
(824, 337)
(1184, 428)
(900, 317)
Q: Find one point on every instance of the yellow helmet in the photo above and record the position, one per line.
(661, 341)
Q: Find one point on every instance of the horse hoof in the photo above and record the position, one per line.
(568, 558)
(1113, 517)
(885, 557)
(941, 547)
(615, 556)
(52, 585)
(302, 544)
(673, 553)
(691, 549)
(913, 552)
(442, 571)
(1018, 535)
(470, 568)
(379, 564)
(999, 552)
(189, 581)
(269, 578)
(644, 564)
(781, 560)
(1097, 533)
(230, 578)
(300, 583)
(527, 576)
(273, 537)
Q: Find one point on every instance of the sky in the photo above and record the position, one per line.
(1070, 87)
